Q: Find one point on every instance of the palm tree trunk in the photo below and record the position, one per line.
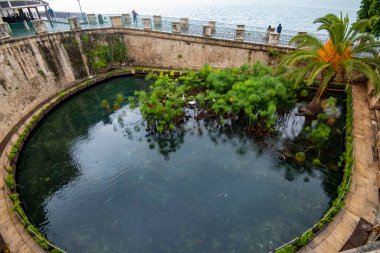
(314, 106)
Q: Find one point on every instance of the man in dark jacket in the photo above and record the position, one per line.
(279, 28)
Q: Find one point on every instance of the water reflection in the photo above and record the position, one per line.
(114, 187)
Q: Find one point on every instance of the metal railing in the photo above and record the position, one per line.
(60, 23)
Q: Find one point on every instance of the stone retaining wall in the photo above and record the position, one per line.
(35, 67)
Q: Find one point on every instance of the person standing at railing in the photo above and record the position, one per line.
(51, 12)
(134, 14)
(279, 28)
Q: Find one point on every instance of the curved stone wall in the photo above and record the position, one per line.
(36, 67)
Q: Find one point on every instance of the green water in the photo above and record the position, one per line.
(96, 181)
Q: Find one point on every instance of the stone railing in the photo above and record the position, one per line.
(211, 29)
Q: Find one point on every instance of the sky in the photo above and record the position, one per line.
(125, 6)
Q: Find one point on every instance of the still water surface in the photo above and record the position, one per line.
(95, 181)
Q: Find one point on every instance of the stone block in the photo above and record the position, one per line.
(239, 34)
(240, 26)
(176, 27)
(117, 22)
(269, 31)
(213, 25)
(26, 25)
(74, 23)
(147, 24)
(157, 20)
(207, 30)
(92, 19)
(126, 18)
(184, 23)
(3, 32)
(39, 26)
(274, 38)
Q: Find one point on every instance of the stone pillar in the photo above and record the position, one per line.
(74, 24)
(274, 38)
(207, 31)
(269, 30)
(3, 31)
(117, 22)
(239, 36)
(92, 19)
(157, 20)
(126, 19)
(176, 27)
(26, 25)
(184, 23)
(39, 26)
(147, 24)
(240, 26)
(213, 25)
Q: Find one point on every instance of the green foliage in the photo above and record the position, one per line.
(105, 105)
(250, 91)
(287, 249)
(41, 72)
(10, 181)
(304, 94)
(300, 157)
(304, 239)
(370, 9)
(316, 162)
(104, 51)
(320, 134)
(120, 98)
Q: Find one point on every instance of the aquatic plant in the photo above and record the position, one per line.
(250, 91)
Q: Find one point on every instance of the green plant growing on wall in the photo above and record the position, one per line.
(104, 51)
(41, 73)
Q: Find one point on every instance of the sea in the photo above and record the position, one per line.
(294, 15)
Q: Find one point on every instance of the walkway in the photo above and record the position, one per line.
(362, 200)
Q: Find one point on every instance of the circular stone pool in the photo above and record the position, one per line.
(96, 181)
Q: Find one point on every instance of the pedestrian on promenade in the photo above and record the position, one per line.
(279, 28)
(51, 12)
(134, 14)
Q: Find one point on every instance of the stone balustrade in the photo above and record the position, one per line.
(74, 24)
(184, 23)
(274, 38)
(117, 22)
(39, 26)
(3, 31)
(160, 24)
(126, 18)
(207, 30)
(176, 27)
(212, 23)
(92, 19)
(157, 20)
(239, 34)
(147, 24)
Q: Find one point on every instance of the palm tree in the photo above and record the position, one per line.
(346, 51)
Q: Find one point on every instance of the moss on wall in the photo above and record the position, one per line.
(49, 57)
(104, 51)
(71, 46)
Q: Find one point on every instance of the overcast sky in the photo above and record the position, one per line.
(120, 6)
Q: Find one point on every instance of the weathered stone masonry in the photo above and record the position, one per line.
(34, 68)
